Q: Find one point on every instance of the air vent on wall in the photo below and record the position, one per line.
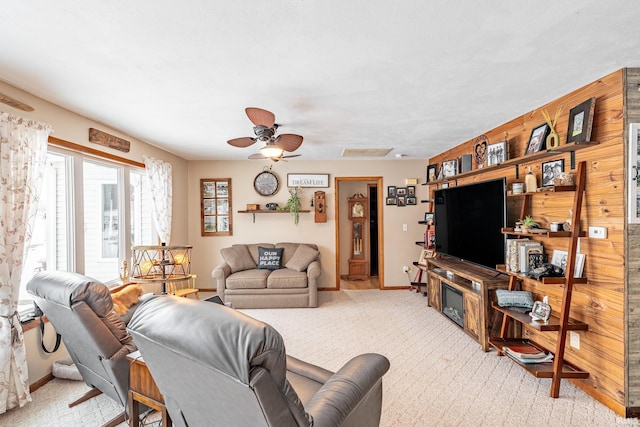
(365, 152)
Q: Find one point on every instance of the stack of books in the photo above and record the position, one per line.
(526, 353)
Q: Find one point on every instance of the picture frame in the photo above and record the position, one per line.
(391, 201)
(401, 191)
(432, 173)
(392, 191)
(550, 170)
(428, 217)
(496, 153)
(411, 190)
(538, 139)
(449, 168)
(402, 200)
(424, 255)
(559, 259)
(581, 121)
(480, 151)
(411, 200)
(215, 207)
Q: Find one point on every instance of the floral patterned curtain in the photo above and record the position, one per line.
(159, 174)
(23, 151)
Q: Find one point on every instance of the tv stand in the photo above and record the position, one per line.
(463, 293)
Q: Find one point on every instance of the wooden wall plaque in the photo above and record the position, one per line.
(107, 140)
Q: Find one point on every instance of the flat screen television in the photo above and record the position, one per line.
(468, 219)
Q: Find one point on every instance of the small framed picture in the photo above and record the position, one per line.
(402, 201)
(392, 191)
(449, 168)
(432, 173)
(580, 121)
(551, 170)
(392, 201)
(428, 218)
(424, 255)
(496, 153)
(538, 139)
(401, 191)
(480, 151)
(411, 200)
(411, 190)
(559, 259)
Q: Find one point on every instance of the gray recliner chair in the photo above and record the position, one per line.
(216, 366)
(81, 310)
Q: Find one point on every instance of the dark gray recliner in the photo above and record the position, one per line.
(216, 366)
(81, 310)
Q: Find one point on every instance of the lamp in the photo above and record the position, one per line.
(161, 264)
(271, 151)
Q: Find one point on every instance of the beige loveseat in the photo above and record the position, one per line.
(248, 280)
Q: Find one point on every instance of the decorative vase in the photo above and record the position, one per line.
(553, 140)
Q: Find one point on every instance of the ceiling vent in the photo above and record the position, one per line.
(365, 152)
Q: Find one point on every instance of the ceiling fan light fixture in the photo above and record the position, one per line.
(271, 151)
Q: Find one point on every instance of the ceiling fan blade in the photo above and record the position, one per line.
(260, 117)
(257, 156)
(241, 142)
(288, 157)
(289, 141)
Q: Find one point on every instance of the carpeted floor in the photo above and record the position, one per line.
(438, 377)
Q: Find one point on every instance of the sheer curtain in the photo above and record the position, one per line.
(159, 174)
(23, 151)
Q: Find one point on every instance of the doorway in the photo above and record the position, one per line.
(345, 188)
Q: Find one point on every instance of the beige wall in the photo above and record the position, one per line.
(399, 246)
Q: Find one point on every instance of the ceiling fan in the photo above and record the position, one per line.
(265, 129)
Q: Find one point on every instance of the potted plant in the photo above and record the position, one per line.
(293, 204)
(527, 223)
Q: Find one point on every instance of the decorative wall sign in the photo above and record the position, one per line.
(318, 180)
(98, 137)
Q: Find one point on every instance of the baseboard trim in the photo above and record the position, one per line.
(39, 383)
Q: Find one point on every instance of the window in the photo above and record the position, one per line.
(99, 206)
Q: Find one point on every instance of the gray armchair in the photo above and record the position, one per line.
(81, 310)
(217, 366)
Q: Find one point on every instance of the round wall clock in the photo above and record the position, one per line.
(266, 183)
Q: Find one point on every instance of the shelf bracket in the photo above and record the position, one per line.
(573, 160)
(517, 171)
(254, 217)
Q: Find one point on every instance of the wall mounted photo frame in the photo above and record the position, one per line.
(392, 191)
(449, 168)
(496, 153)
(391, 201)
(432, 173)
(581, 121)
(401, 191)
(551, 170)
(402, 200)
(411, 190)
(538, 139)
(215, 207)
(411, 200)
(309, 180)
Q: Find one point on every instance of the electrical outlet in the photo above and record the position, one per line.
(405, 268)
(404, 227)
(574, 340)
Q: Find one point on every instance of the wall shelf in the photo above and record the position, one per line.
(566, 148)
(269, 211)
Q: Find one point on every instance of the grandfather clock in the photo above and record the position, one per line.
(358, 262)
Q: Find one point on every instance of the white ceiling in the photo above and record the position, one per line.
(417, 76)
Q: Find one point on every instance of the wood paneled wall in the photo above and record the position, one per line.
(601, 302)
